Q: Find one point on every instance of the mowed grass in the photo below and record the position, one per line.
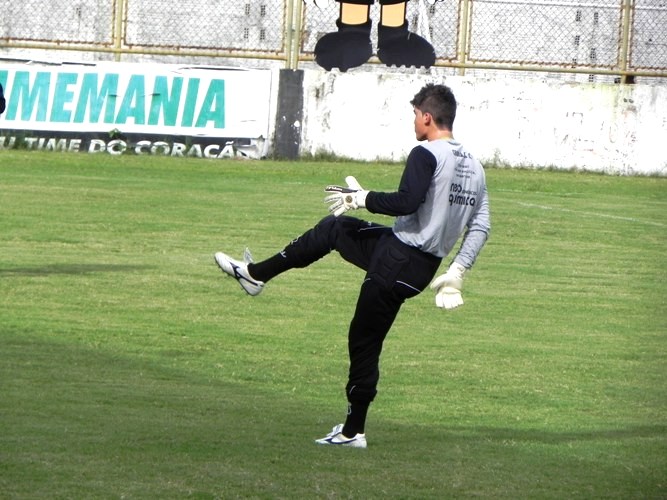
(131, 368)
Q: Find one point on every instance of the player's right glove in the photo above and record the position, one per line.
(448, 287)
(344, 198)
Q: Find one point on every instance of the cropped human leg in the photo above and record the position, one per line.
(354, 239)
(397, 46)
(397, 272)
(350, 46)
(375, 312)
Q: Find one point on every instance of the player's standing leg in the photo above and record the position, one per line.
(396, 273)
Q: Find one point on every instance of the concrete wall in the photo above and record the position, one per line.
(619, 129)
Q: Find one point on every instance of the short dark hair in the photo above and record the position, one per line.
(439, 102)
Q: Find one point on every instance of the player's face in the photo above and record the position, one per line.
(420, 125)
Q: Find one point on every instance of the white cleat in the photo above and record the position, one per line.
(336, 437)
(239, 271)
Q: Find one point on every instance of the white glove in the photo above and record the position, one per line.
(347, 198)
(448, 287)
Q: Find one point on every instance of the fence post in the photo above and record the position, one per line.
(464, 22)
(117, 35)
(626, 22)
(294, 10)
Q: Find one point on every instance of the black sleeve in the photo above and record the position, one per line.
(2, 100)
(412, 189)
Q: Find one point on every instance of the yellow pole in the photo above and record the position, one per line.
(295, 44)
(463, 34)
(626, 21)
(118, 29)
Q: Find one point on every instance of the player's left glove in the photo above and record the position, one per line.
(347, 198)
(448, 287)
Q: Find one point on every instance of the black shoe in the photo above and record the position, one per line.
(349, 47)
(399, 47)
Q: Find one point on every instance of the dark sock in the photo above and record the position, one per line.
(269, 268)
(356, 418)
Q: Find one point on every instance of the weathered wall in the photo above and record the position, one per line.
(596, 127)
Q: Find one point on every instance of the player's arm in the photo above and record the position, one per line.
(448, 285)
(476, 234)
(412, 189)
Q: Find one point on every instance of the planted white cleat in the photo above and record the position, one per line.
(335, 437)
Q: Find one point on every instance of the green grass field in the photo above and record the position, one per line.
(131, 368)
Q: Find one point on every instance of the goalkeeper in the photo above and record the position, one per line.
(441, 196)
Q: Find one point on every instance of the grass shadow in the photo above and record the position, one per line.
(73, 269)
(544, 436)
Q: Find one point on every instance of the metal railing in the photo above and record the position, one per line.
(618, 39)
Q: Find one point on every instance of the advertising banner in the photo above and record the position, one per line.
(125, 108)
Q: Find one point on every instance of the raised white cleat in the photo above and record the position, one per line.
(239, 271)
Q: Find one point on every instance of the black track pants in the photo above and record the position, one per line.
(394, 272)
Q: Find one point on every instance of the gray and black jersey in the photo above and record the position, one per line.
(441, 195)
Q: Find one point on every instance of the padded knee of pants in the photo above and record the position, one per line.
(311, 245)
(360, 393)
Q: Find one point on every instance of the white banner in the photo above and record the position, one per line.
(141, 102)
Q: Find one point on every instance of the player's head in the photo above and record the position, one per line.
(439, 102)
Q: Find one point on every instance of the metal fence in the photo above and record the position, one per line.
(620, 40)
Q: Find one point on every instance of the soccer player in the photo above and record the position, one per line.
(441, 196)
